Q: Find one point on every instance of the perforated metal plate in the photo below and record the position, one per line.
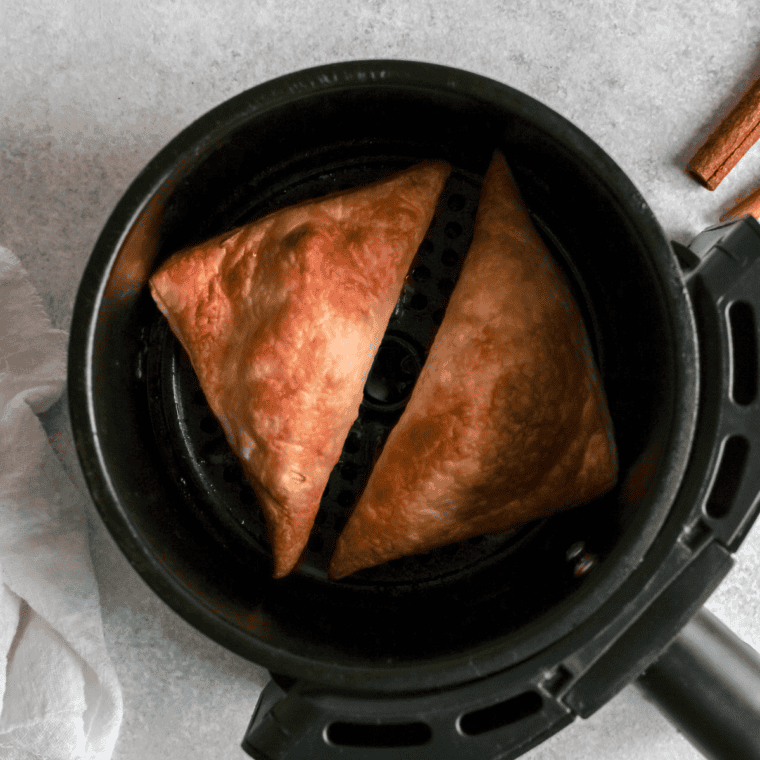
(212, 478)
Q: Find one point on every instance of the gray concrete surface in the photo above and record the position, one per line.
(90, 90)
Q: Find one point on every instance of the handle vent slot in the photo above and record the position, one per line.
(741, 319)
(384, 735)
(501, 714)
(726, 484)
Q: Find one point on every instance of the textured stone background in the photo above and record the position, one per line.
(90, 90)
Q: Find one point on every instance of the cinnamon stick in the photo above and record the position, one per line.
(735, 135)
(749, 205)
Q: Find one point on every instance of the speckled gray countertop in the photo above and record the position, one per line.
(90, 90)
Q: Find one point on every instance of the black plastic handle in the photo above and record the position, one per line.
(708, 684)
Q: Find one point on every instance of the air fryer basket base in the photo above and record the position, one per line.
(441, 624)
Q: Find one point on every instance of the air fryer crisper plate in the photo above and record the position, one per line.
(197, 453)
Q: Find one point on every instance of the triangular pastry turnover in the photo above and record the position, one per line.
(281, 320)
(508, 420)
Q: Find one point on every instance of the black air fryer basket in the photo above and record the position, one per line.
(485, 648)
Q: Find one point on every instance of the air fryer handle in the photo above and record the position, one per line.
(708, 684)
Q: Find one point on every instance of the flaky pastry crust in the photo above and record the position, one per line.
(281, 320)
(508, 421)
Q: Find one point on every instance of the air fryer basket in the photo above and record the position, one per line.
(171, 492)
